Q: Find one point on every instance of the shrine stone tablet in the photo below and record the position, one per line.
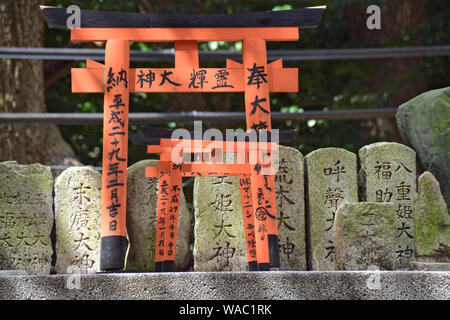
(77, 217)
(365, 236)
(26, 217)
(219, 229)
(431, 221)
(142, 203)
(388, 174)
(331, 182)
(290, 195)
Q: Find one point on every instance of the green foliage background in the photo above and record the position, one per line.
(331, 85)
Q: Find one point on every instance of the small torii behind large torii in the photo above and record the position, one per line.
(254, 76)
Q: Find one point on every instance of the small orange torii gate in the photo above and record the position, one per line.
(116, 80)
(171, 168)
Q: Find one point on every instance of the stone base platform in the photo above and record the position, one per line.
(298, 285)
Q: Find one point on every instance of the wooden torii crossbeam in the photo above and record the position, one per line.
(116, 80)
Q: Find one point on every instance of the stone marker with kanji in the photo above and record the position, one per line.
(388, 175)
(331, 181)
(26, 217)
(142, 197)
(365, 236)
(77, 219)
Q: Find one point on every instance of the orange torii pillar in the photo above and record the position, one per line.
(114, 243)
(257, 108)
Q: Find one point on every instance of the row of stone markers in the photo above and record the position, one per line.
(27, 217)
(322, 226)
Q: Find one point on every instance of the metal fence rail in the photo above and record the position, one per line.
(219, 55)
(186, 117)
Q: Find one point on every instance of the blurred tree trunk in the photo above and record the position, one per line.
(399, 19)
(22, 90)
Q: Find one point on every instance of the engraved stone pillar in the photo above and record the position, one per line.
(77, 215)
(388, 175)
(365, 236)
(142, 197)
(331, 181)
(289, 184)
(219, 230)
(26, 217)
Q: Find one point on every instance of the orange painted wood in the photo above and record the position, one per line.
(91, 64)
(90, 80)
(208, 150)
(176, 34)
(237, 65)
(115, 140)
(201, 168)
(224, 168)
(248, 216)
(233, 64)
(165, 142)
(172, 216)
(153, 172)
(161, 216)
(186, 54)
(86, 80)
(257, 106)
(275, 64)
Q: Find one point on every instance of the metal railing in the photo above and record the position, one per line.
(186, 117)
(219, 55)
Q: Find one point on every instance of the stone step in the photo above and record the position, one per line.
(285, 285)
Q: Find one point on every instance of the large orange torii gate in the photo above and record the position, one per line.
(254, 76)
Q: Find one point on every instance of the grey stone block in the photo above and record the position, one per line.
(430, 266)
(291, 285)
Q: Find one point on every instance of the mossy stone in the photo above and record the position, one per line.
(424, 123)
(432, 221)
(26, 217)
(219, 229)
(289, 185)
(331, 182)
(142, 203)
(77, 217)
(388, 175)
(365, 236)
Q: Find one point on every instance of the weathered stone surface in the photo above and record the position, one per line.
(289, 183)
(77, 218)
(26, 217)
(424, 123)
(429, 266)
(12, 273)
(365, 236)
(290, 285)
(219, 229)
(224, 236)
(388, 174)
(142, 202)
(331, 181)
(432, 221)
